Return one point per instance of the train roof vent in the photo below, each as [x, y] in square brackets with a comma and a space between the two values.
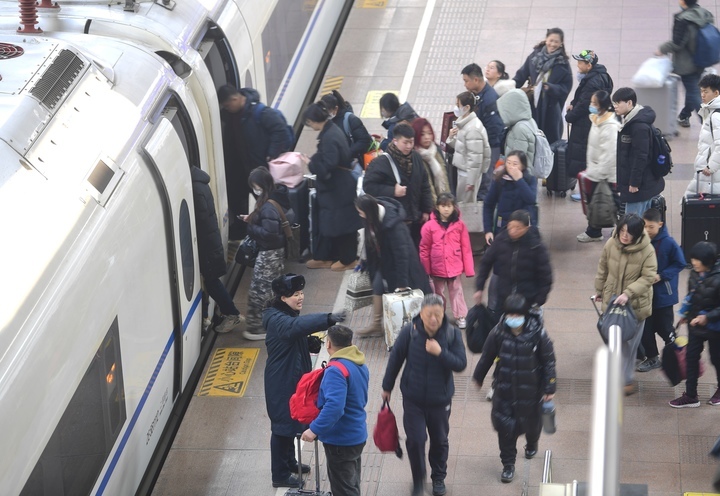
[58, 78]
[8, 51]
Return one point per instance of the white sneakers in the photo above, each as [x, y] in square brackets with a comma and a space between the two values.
[229, 323]
[584, 238]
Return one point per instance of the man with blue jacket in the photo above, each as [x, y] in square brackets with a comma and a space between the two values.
[341, 424]
[671, 262]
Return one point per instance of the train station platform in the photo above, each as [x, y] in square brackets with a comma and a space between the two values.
[417, 48]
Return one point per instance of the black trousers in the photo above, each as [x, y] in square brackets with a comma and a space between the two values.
[694, 350]
[508, 440]
[343, 467]
[419, 421]
[282, 457]
[337, 248]
[217, 291]
[660, 322]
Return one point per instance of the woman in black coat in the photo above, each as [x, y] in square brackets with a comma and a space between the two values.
[288, 359]
[547, 70]
[211, 254]
[341, 113]
[525, 376]
[391, 254]
[336, 188]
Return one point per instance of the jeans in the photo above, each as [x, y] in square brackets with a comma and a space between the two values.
[629, 351]
[217, 291]
[455, 290]
[343, 467]
[692, 94]
[692, 359]
[660, 322]
[419, 421]
[508, 440]
[282, 457]
[638, 207]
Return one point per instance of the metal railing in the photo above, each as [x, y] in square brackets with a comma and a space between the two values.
[547, 468]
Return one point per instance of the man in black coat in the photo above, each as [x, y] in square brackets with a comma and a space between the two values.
[253, 134]
[636, 181]
[520, 264]
[594, 77]
[211, 254]
[404, 179]
[431, 349]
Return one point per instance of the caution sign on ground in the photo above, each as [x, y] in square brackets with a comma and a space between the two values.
[371, 108]
[229, 372]
[701, 494]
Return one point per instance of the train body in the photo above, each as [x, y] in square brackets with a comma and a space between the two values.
[101, 116]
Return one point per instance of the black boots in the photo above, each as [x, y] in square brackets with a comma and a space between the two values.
[508, 473]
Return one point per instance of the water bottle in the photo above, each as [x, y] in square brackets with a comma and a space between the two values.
[661, 159]
[548, 417]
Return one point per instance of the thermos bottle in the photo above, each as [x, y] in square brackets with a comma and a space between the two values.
[548, 417]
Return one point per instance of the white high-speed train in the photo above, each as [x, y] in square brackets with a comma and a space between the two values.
[101, 115]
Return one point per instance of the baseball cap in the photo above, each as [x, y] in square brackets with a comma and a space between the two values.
[586, 56]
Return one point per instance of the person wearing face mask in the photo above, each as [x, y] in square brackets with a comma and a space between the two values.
[524, 378]
[593, 77]
[627, 269]
[264, 225]
[394, 113]
[288, 358]
[400, 174]
[472, 148]
[546, 78]
[601, 152]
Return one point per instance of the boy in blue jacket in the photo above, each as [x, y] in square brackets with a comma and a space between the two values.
[665, 290]
[341, 424]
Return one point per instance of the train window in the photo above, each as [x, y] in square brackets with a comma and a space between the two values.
[186, 250]
[88, 429]
[248, 79]
[177, 114]
[281, 38]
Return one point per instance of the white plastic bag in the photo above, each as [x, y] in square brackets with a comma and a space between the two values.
[652, 73]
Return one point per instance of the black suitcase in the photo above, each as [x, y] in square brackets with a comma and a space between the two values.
[558, 180]
[700, 220]
[308, 492]
[658, 203]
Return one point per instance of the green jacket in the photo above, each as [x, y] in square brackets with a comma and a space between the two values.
[684, 34]
[514, 108]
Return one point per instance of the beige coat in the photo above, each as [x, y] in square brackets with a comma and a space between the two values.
[602, 148]
[628, 269]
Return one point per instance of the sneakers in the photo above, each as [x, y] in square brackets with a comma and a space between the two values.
[229, 323]
[253, 336]
[291, 481]
[715, 400]
[341, 267]
[649, 364]
[584, 238]
[318, 264]
[576, 197]
[489, 395]
[683, 121]
[438, 488]
[508, 473]
[685, 401]
[462, 323]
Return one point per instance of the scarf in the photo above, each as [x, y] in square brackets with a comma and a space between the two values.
[543, 61]
[404, 162]
[439, 183]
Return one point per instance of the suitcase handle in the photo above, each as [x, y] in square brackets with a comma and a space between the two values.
[697, 184]
[594, 302]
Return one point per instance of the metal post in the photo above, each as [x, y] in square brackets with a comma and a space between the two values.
[607, 418]
[547, 468]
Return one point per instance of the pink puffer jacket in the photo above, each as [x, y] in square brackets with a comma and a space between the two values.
[446, 252]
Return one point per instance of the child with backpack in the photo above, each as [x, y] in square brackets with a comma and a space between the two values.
[445, 253]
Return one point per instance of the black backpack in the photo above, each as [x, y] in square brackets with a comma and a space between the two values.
[480, 321]
[661, 160]
[260, 107]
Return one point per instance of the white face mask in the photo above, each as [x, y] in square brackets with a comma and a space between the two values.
[332, 115]
[459, 112]
[257, 192]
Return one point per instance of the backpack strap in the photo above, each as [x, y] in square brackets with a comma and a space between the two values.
[394, 167]
[339, 365]
[346, 125]
[284, 224]
[258, 107]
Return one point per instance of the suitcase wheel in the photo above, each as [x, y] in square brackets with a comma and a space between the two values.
[562, 194]
[549, 193]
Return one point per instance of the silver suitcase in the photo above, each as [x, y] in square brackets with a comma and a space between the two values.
[664, 101]
[399, 308]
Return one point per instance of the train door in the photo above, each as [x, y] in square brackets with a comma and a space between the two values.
[171, 149]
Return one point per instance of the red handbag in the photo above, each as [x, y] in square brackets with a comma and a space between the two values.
[386, 435]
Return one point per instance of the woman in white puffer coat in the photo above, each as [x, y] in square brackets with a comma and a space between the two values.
[707, 161]
[601, 151]
[472, 149]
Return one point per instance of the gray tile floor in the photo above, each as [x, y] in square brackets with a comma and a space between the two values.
[223, 446]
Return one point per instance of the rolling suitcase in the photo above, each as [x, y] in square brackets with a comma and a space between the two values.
[664, 101]
[700, 220]
[308, 492]
[586, 188]
[558, 180]
[399, 308]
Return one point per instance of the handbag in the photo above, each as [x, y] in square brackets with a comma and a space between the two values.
[288, 168]
[373, 150]
[385, 434]
[292, 234]
[674, 361]
[247, 252]
[622, 316]
[472, 216]
[480, 321]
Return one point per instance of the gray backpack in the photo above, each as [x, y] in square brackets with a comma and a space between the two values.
[602, 211]
[544, 157]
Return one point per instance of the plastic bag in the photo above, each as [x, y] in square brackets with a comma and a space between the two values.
[652, 73]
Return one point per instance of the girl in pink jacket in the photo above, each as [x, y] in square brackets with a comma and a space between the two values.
[445, 253]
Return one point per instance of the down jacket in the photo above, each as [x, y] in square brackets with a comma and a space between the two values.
[524, 373]
[427, 380]
[671, 262]
[359, 139]
[522, 266]
[708, 154]
[684, 36]
[505, 196]
[472, 148]
[602, 148]
[634, 156]
[265, 227]
[404, 113]
[514, 108]
[445, 251]
[211, 254]
[628, 269]
[705, 298]
[288, 359]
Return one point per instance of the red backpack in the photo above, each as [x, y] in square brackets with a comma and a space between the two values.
[303, 404]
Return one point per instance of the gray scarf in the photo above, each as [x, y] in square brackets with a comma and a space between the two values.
[543, 61]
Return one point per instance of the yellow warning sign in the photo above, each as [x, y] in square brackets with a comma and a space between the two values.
[701, 494]
[371, 108]
[373, 4]
[229, 372]
[331, 83]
